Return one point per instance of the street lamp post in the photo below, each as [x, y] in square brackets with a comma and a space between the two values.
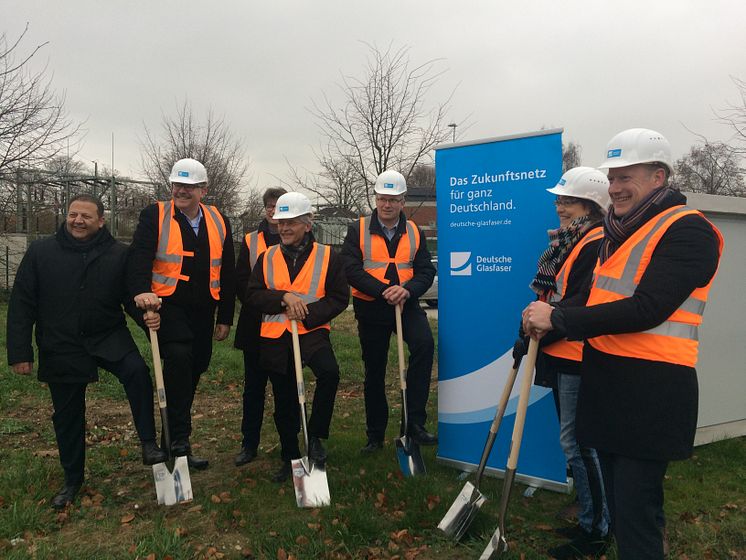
[453, 126]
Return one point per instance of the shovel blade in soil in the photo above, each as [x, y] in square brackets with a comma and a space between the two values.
[311, 484]
[173, 487]
[460, 515]
[410, 458]
[495, 547]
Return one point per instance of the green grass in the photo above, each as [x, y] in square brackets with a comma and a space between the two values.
[240, 513]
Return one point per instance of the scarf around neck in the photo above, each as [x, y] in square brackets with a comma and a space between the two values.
[561, 242]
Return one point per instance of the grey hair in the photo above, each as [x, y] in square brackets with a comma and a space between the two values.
[306, 219]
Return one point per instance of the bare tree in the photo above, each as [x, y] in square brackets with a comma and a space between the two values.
[33, 123]
[252, 210]
[209, 141]
[423, 175]
[383, 121]
[734, 115]
[712, 169]
[571, 155]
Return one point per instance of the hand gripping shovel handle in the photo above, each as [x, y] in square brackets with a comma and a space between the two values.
[498, 543]
[160, 388]
[497, 420]
[402, 375]
[300, 383]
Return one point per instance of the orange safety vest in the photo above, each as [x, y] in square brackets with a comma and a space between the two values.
[675, 340]
[257, 245]
[376, 258]
[170, 254]
[570, 349]
[309, 285]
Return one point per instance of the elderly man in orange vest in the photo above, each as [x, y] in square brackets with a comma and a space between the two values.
[304, 281]
[638, 397]
[388, 264]
[182, 254]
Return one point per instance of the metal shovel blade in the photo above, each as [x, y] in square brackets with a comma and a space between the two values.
[311, 485]
[458, 518]
[409, 456]
[173, 487]
[496, 546]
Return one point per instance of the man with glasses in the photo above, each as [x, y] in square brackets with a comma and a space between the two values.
[388, 264]
[247, 329]
[182, 255]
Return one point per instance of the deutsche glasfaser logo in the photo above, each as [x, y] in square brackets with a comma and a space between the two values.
[460, 265]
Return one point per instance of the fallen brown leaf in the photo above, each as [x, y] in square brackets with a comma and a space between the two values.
[127, 518]
[301, 540]
[195, 509]
[215, 499]
[281, 554]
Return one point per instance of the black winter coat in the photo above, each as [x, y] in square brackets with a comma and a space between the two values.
[379, 310]
[73, 293]
[249, 318]
[634, 407]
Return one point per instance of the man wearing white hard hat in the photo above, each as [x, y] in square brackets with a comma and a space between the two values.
[638, 396]
[182, 254]
[300, 280]
[388, 264]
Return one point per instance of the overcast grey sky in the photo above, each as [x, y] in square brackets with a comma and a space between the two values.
[592, 67]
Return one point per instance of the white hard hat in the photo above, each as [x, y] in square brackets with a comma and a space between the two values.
[188, 171]
[390, 182]
[586, 183]
[638, 145]
[292, 205]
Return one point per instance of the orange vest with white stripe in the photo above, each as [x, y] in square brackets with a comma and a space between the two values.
[309, 285]
[570, 349]
[257, 245]
[674, 341]
[170, 253]
[376, 259]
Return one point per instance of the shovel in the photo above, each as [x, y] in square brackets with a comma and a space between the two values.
[171, 487]
[407, 450]
[309, 480]
[498, 543]
[460, 515]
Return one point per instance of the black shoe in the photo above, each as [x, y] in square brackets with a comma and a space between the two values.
[246, 456]
[197, 462]
[316, 452]
[372, 446]
[152, 454]
[422, 436]
[283, 473]
[65, 496]
[572, 532]
[180, 449]
[588, 544]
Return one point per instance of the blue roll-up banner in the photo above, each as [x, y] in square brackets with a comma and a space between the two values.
[493, 217]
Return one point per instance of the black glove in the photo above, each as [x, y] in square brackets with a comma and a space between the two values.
[520, 348]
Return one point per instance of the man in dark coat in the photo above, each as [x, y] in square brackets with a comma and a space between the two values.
[71, 287]
[378, 285]
[247, 329]
[182, 254]
[298, 286]
[638, 397]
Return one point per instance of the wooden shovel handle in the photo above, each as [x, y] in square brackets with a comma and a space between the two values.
[298, 363]
[520, 415]
[160, 386]
[400, 348]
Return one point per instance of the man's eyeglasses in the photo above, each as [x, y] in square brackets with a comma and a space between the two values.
[387, 200]
[566, 201]
[186, 187]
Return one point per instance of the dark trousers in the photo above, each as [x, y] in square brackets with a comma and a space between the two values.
[183, 364]
[634, 493]
[254, 390]
[374, 340]
[68, 400]
[324, 366]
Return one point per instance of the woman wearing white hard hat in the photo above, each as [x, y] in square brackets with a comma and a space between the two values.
[564, 272]
[303, 280]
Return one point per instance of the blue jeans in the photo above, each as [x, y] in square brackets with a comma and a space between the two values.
[594, 513]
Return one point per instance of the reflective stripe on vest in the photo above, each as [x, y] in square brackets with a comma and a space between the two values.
[675, 340]
[376, 259]
[257, 245]
[170, 253]
[570, 349]
[309, 285]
